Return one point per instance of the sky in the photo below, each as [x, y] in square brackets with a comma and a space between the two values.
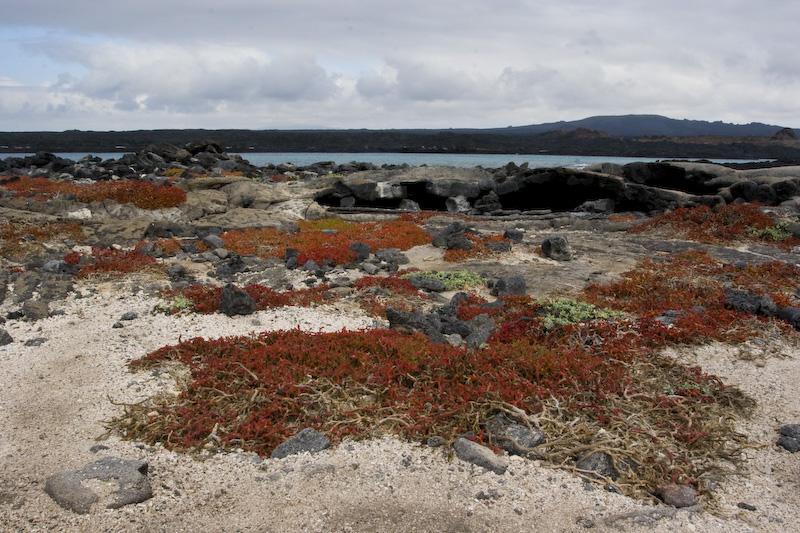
[376, 64]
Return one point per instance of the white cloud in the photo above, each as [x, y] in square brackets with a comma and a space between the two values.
[316, 63]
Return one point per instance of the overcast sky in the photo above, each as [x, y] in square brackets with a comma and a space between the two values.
[264, 64]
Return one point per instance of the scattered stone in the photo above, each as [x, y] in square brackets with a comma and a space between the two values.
[36, 309]
[436, 441]
[791, 315]
[361, 250]
[117, 325]
[129, 315]
[234, 301]
[557, 247]
[5, 337]
[308, 440]
[479, 337]
[452, 237]
[479, 455]
[597, 465]
[511, 285]
[790, 437]
[743, 301]
[514, 235]
[677, 495]
[410, 321]
[392, 255]
[59, 266]
[746, 506]
[516, 439]
[176, 272]
[38, 341]
[67, 490]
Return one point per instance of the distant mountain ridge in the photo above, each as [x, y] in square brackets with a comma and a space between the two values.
[645, 126]
[619, 136]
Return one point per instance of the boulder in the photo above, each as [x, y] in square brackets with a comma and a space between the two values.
[516, 439]
[308, 440]
[677, 495]
[67, 488]
[557, 247]
[453, 237]
[790, 438]
[415, 321]
[234, 301]
[510, 285]
[36, 309]
[479, 455]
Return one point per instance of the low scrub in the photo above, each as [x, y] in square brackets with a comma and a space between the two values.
[142, 194]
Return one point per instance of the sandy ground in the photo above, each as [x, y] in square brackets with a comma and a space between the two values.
[55, 396]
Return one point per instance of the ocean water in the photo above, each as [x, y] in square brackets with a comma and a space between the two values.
[260, 159]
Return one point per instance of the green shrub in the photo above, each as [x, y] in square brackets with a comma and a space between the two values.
[453, 279]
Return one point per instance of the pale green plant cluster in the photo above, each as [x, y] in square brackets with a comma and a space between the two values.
[453, 280]
[778, 232]
[180, 303]
[565, 311]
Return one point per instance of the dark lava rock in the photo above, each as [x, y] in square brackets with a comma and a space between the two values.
[308, 440]
[213, 241]
[557, 247]
[290, 258]
[791, 315]
[361, 250]
[67, 490]
[514, 235]
[474, 453]
[498, 247]
[392, 255]
[599, 463]
[516, 439]
[415, 321]
[452, 237]
[790, 437]
[478, 337]
[129, 315]
[489, 203]
[176, 272]
[36, 309]
[511, 285]
[5, 337]
[235, 301]
[233, 265]
[743, 301]
[677, 495]
[59, 266]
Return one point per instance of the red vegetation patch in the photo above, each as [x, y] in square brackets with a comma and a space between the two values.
[144, 195]
[720, 225]
[691, 284]
[400, 294]
[109, 261]
[326, 240]
[479, 250]
[169, 247]
[15, 244]
[593, 384]
[205, 299]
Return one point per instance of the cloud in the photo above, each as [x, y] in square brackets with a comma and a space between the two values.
[306, 63]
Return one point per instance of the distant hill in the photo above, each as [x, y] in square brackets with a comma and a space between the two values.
[621, 136]
[646, 126]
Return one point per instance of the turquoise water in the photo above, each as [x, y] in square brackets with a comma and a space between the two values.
[260, 159]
